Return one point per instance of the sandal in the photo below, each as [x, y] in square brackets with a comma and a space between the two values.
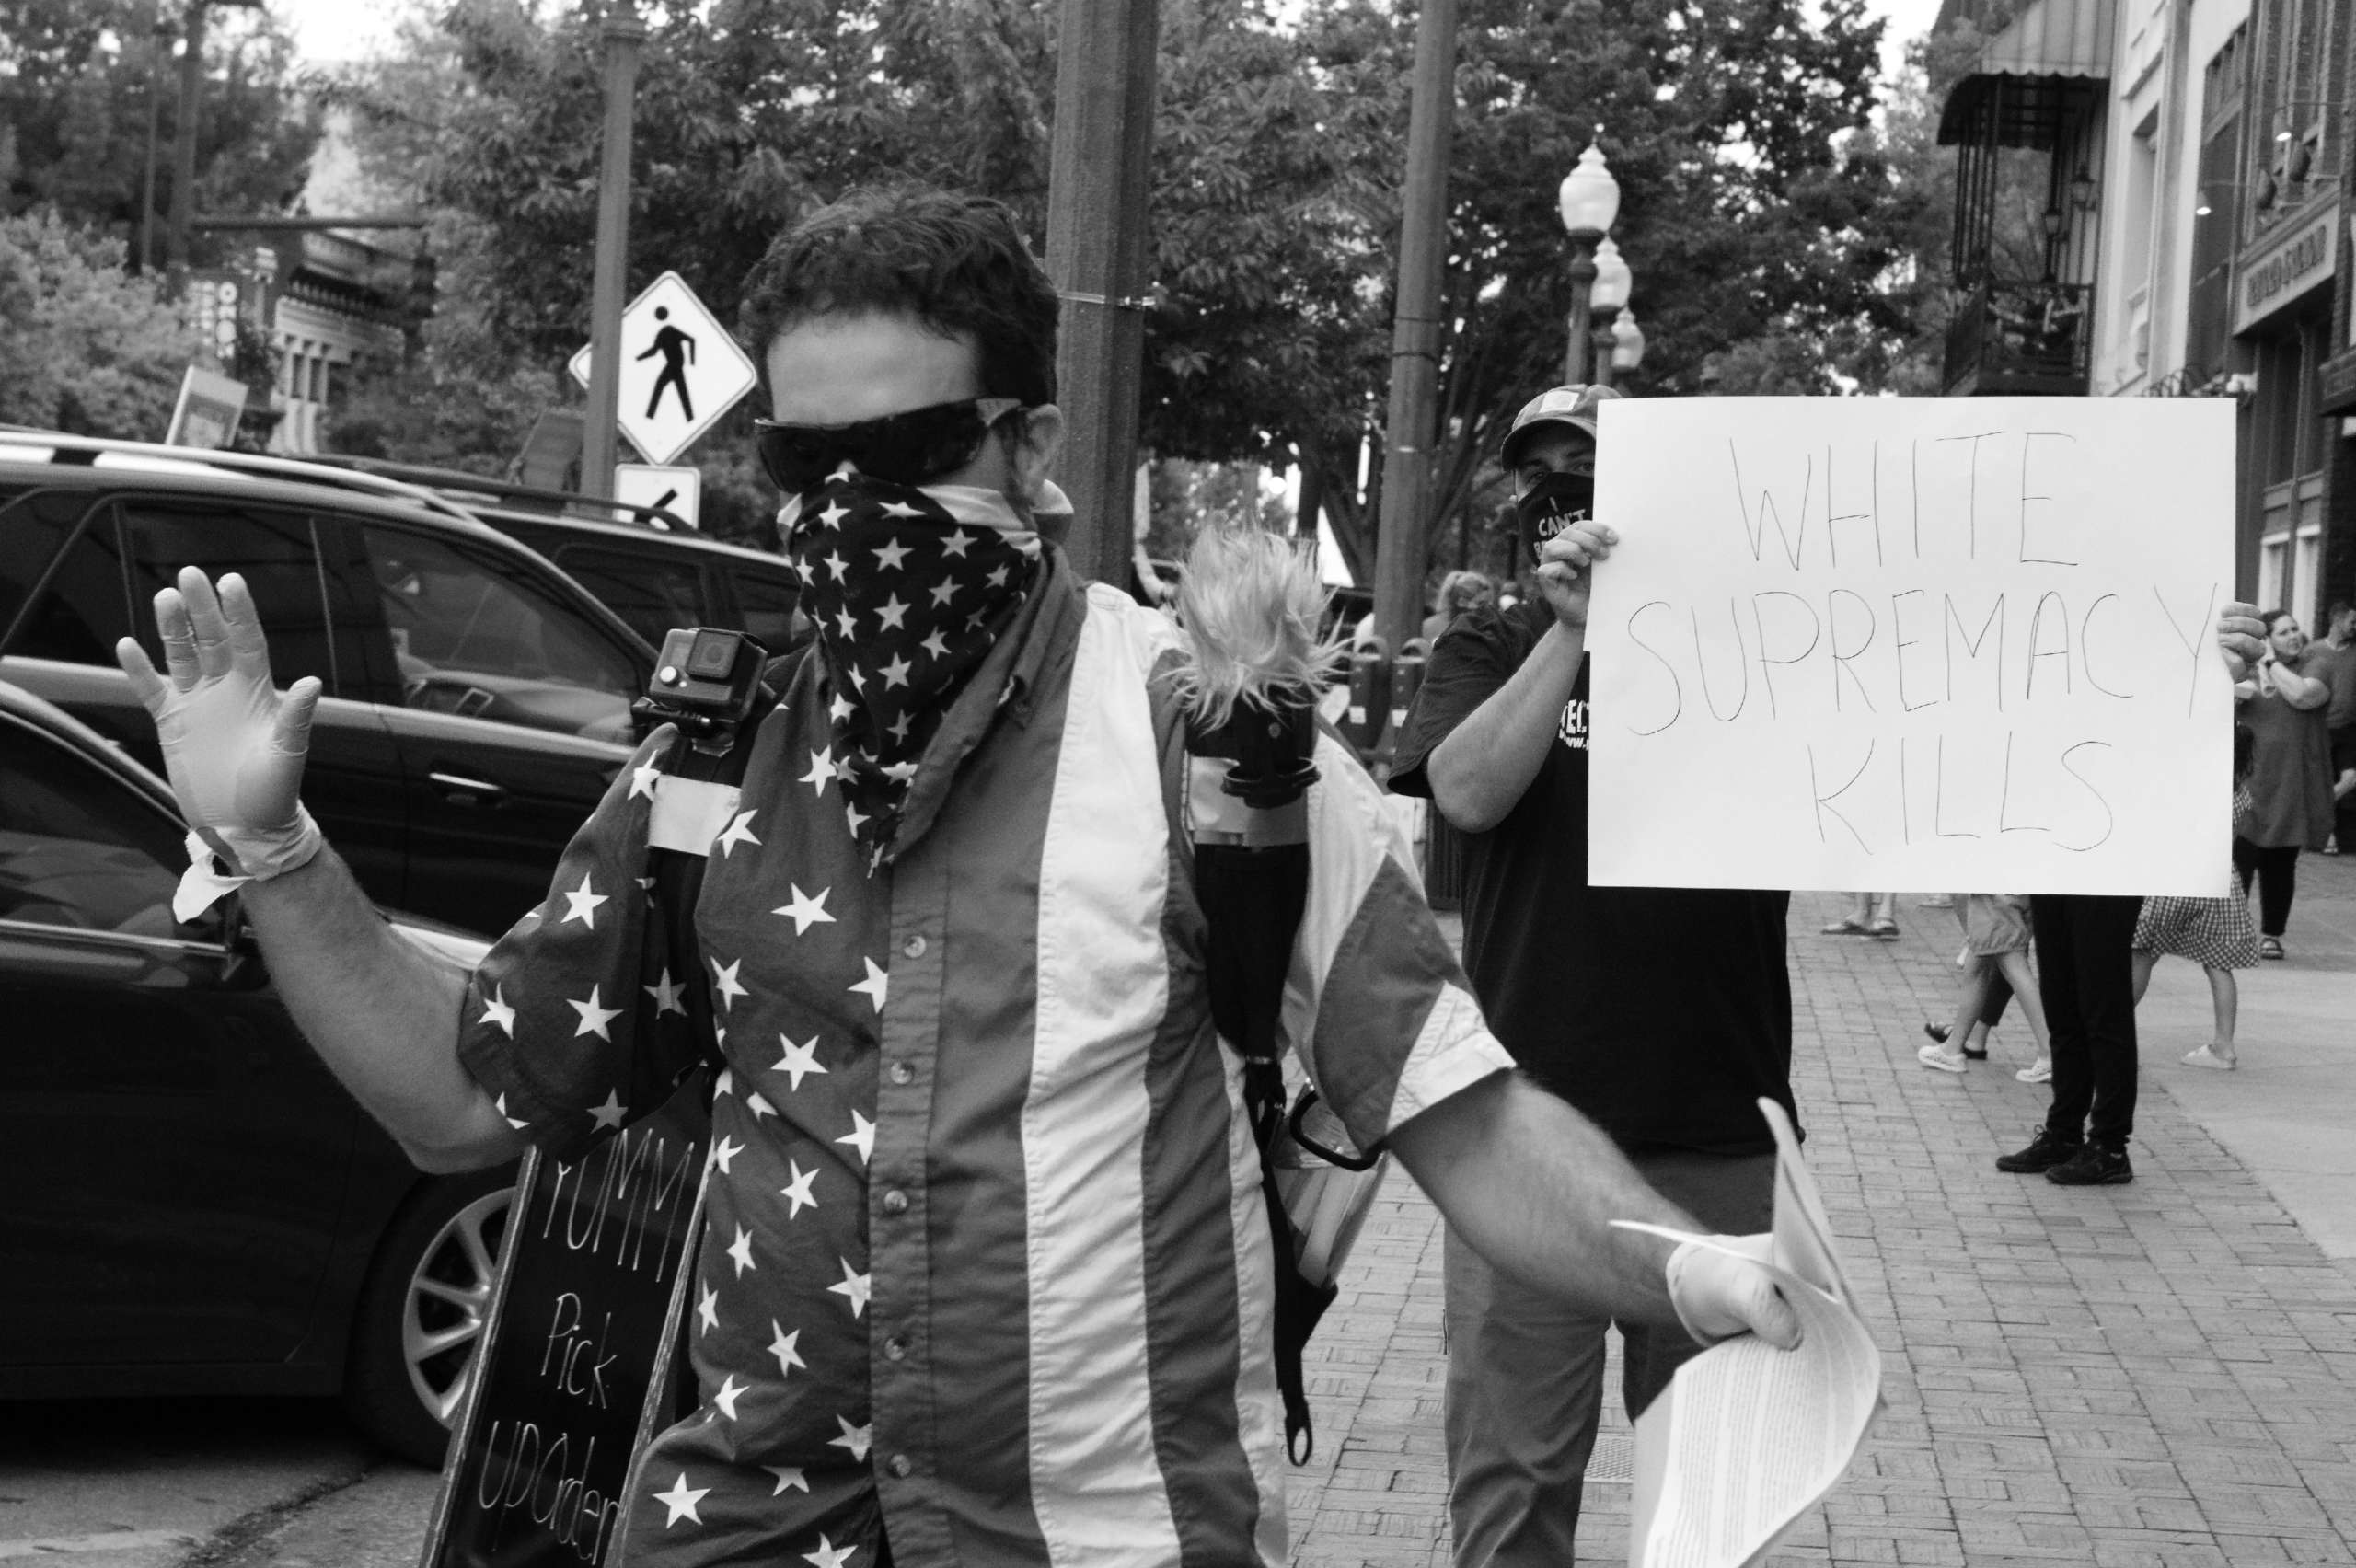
[1847, 925]
[2205, 1057]
[2270, 947]
[1883, 931]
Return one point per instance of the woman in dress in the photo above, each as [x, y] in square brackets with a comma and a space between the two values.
[2215, 933]
[2290, 783]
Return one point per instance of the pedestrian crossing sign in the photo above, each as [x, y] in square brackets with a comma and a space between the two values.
[680, 370]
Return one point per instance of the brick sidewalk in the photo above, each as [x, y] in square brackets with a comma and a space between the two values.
[2156, 1375]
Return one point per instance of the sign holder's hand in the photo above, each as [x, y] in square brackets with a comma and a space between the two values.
[1566, 569]
[1720, 1290]
[2241, 637]
[233, 744]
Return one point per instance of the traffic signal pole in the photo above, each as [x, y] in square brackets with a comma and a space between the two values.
[623, 33]
[1416, 334]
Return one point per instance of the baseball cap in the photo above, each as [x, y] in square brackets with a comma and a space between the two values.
[1572, 405]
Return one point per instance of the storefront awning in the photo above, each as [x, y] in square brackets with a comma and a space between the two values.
[2031, 74]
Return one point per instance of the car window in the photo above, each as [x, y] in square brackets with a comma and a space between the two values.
[473, 642]
[81, 612]
[33, 524]
[275, 551]
[767, 605]
[651, 594]
[77, 848]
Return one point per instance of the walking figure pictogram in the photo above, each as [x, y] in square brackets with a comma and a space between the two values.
[678, 351]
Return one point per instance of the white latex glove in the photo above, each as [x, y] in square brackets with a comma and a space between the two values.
[1720, 1294]
[233, 745]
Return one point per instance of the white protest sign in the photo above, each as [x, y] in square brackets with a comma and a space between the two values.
[1913, 645]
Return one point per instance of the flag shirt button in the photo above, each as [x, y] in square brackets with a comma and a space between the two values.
[913, 947]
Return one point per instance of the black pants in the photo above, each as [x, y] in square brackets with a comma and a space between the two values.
[2277, 873]
[2086, 981]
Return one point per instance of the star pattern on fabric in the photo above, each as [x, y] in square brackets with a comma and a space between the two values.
[853, 1287]
[682, 1500]
[907, 602]
[861, 1138]
[855, 1438]
[594, 1017]
[781, 1346]
[666, 995]
[496, 1012]
[725, 1397]
[641, 781]
[609, 1115]
[723, 1152]
[787, 1476]
[724, 980]
[876, 986]
[739, 832]
[741, 1251]
[829, 1555]
[797, 1192]
[758, 1106]
[582, 904]
[515, 1122]
[706, 1307]
[807, 909]
[822, 770]
[798, 1060]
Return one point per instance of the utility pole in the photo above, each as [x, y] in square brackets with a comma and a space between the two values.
[191, 107]
[1416, 334]
[1097, 188]
[623, 33]
[156, 35]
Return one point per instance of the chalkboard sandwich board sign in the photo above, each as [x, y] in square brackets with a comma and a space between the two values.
[578, 1367]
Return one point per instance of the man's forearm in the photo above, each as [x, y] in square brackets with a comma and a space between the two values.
[1483, 768]
[381, 1013]
[1533, 1186]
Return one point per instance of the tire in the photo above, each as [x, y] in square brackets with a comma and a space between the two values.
[422, 1310]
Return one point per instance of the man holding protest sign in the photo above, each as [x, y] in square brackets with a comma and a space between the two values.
[986, 1278]
[1663, 1014]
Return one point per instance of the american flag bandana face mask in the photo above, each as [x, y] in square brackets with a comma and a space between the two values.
[907, 589]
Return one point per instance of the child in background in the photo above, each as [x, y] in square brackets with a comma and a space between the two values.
[2215, 933]
[1996, 940]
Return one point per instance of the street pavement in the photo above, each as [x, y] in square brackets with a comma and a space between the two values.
[2154, 1376]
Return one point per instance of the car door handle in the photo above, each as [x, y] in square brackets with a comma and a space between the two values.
[452, 784]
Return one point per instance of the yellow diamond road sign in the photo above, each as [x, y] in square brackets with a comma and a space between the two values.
[681, 370]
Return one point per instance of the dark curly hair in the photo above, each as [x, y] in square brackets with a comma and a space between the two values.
[957, 263]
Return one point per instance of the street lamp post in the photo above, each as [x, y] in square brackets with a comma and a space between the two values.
[1590, 200]
[1607, 297]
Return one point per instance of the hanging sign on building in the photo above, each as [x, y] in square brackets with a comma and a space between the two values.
[681, 370]
[208, 410]
[2283, 270]
[1912, 644]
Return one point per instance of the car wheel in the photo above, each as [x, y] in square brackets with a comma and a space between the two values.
[423, 1313]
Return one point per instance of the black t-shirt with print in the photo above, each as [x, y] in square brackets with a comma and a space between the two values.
[1665, 1014]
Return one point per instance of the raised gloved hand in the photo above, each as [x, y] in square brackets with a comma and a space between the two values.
[233, 744]
[1719, 1294]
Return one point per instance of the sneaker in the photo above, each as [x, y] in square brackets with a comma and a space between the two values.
[2093, 1166]
[2206, 1058]
[1939, 1056]
[2270, 947]
[2038, 1071]
[2046, 1150]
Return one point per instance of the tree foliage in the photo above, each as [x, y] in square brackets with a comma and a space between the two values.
[77, 79]
[84, 346]
[1754, 207]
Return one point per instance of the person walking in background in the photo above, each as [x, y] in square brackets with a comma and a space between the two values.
[1995, 940]
[2285, 705]
[1460, 593]
[1870, 914]
[2339, 721]
[2215, 933]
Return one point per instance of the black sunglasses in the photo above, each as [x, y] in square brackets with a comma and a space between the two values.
[913, 447]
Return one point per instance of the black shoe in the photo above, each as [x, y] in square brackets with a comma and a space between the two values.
[2048, 1150]
[2093, 1166]
[1939, 1032]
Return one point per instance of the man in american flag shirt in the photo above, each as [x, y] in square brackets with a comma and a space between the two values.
[987, 1275]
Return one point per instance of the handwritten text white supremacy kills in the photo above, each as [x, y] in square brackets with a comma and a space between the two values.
[1968, 579]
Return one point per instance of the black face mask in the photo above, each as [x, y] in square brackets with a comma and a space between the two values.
[1551, 505]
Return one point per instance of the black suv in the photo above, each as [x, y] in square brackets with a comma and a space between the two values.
[648, 565]
[478, 698]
